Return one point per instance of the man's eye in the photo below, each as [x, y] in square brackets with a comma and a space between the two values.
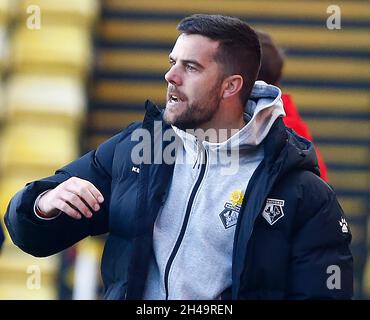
[190, 68]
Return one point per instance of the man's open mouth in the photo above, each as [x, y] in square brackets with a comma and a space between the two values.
[174, 98]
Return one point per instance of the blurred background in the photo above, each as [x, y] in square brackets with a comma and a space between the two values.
[75, 72]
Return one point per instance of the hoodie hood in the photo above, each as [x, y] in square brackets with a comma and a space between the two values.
[261, 110]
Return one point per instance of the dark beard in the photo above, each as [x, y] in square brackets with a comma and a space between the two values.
[192, 117]
[195, 116]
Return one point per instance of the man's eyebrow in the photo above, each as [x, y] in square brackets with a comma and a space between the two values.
[189, 61]
[194, 62]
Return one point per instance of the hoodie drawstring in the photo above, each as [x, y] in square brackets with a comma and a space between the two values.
[198, 154]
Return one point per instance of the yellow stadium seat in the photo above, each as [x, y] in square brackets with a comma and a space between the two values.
[62, 48]
[39, 145]
[5, 10]
[25, 277]
[48, 96]
[15, 179]
[82, 12]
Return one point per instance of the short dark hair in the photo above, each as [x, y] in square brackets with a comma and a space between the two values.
[272, 61]
[239, 50]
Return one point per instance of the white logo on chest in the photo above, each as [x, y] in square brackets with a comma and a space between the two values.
[229, 216]
[273, 210]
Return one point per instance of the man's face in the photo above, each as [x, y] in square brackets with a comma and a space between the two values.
[194, 82]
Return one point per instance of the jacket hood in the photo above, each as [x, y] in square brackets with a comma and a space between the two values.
[301, 153]
[285, 150]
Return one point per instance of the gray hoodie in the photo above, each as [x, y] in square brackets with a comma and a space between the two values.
[194, 232]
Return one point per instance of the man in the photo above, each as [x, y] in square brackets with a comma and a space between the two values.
[260, 226]
[272, 62]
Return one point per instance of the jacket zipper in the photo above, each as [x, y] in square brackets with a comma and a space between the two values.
[185, 222]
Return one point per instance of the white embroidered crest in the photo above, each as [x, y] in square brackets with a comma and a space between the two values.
[229, 216]
[273, 210]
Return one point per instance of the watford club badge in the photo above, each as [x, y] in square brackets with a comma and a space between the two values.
[229, 216]
[273, 210]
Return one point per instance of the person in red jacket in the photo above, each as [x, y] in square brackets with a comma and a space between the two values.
[272, 62]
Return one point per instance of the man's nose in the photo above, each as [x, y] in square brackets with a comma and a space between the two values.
[172, 76]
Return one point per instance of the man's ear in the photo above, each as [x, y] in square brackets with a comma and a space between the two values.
[232, 86]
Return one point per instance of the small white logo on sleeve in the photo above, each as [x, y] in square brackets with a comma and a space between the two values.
[273, 210]
[135, 169]
[343, 223]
